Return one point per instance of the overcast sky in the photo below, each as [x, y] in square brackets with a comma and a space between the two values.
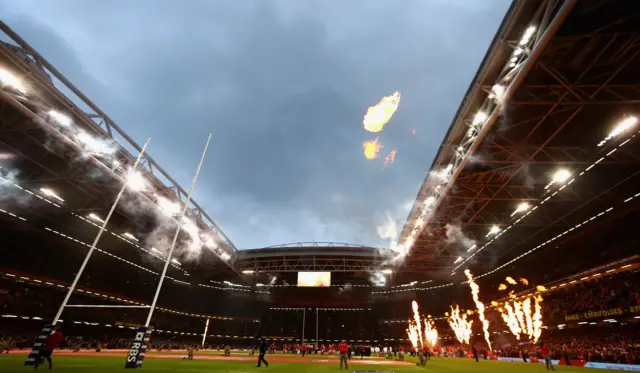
[283, 86]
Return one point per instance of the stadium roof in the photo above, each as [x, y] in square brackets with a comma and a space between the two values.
[58, 146]
[546, 97]
[543, 145]
[312, 256]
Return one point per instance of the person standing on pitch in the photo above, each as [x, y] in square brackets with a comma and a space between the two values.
[546, 354]
[263, 350]
[344, 349]
[52, 342]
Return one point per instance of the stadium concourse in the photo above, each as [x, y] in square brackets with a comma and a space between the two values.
[537, 180]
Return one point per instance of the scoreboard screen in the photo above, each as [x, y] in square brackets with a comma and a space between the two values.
[314, 279]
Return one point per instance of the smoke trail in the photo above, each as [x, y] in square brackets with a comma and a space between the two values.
[455, 235]
[377, 278]
[91, 145]
[8, 192]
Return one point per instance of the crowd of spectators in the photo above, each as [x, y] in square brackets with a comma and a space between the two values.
[608, 292]
[600, 342]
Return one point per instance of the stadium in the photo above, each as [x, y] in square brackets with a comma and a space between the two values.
[521, 238]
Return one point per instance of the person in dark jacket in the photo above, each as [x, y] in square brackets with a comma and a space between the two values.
[263, 350]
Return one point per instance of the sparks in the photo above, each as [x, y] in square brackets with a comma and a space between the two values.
[371, 148]
[377, 116]
[389, 159]
[475, 291]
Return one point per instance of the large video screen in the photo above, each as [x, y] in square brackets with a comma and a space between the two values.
[314, 279]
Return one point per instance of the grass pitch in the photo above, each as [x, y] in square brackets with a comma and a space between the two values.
[85, 364]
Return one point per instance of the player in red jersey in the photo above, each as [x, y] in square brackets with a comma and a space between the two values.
[344, 349]
[52, 342]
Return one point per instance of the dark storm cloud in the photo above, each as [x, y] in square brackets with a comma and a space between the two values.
[283, 86]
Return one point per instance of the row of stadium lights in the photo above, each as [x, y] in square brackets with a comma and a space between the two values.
[381, 292]
[492, 103]
[87, 323]
[85, 141]
[551, 288]
[551, 240]
[234, 287]
[318, 309]
[561, 176]
[279, 338]
[560, 286]
[114, 298]
[127, 237]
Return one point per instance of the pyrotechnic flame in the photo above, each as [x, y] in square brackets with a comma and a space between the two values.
[522, 318]
[371, 148]
[430, 332]
[537, 319]
[389, 159]
[502, 287]
[460, 325]
[416, 317]
[415, 329]
[377, 116]
[412, 332]
[511, 281]
[475, 291]
[541, 288]
[524, 281]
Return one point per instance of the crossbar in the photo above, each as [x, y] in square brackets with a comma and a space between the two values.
[104, 306]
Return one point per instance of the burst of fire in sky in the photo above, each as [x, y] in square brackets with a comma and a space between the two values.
[389, 159]
[502, 287]
[511, 281]
[524, 318]
[377, 116]
[524, 281]
[475, 291]
[430, 332]
[371, 148]
[460, 325]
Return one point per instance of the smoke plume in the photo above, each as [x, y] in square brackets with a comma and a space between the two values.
[455, 235]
